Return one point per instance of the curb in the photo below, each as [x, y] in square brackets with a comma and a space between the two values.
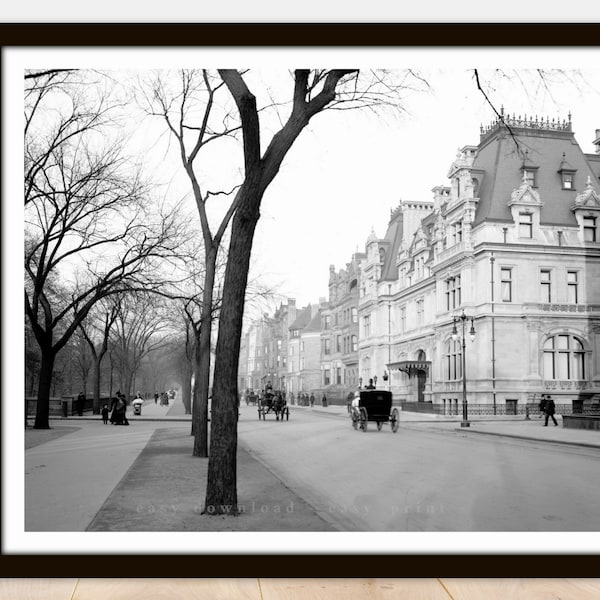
[130, 419]
[531, 439]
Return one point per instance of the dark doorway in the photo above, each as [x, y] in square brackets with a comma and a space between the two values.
[421, 379]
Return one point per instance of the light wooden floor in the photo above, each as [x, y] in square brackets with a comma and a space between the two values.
[299, 589]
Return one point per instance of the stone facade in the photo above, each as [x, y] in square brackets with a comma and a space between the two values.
[513, 242]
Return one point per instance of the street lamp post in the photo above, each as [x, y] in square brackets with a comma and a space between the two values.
[463, 318]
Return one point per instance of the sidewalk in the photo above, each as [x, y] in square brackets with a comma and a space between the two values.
[164, 490]
[175, 412]
[507, 426]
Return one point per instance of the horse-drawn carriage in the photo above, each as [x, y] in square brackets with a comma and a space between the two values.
[251, 398]
[273, 402]
[374, 406]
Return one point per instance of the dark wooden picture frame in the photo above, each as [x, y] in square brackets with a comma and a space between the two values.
[288, 35]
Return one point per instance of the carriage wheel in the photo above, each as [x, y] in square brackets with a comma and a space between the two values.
[379, 425]
[363, 419]
[395, 419]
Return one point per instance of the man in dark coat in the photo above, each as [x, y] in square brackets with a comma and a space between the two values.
[549, 410]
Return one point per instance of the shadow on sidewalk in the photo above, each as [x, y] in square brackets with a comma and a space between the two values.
[164, 490]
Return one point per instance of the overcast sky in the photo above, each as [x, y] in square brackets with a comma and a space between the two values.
[348, 169]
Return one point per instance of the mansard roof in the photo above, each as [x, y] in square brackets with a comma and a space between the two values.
[503, 154]
[314, 324]
[303, 318]
[393, 239]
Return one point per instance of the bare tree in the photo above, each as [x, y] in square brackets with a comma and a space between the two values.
[195, 118]
[141, 328]
[88, 222]
[96, 331]
[313, 92]
[82, 358]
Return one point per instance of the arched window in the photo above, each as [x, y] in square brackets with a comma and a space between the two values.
[564, 357]
[453, 360]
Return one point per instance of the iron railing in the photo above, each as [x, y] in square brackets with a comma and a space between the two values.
[499, 409]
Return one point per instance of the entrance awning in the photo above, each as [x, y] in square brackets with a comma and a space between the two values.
[411, 367]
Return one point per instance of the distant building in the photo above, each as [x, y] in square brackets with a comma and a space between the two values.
[303, 374]
[513, 242]
[264, 350]
[339, 332]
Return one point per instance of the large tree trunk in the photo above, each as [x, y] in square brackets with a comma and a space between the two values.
[42, 413]
[221, 492]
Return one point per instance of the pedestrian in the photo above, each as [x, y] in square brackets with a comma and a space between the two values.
[105, 414]
[80, 403]
[542, 405]
[550, 410]
[312, 400]
[155, 397]
[324, 400]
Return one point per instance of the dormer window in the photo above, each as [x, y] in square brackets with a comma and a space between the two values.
[529, 171]
[568, 180]
[567, 174]
[525, 225]
[589, 229]
[529, 176]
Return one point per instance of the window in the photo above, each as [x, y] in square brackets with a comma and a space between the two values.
[506, 284]
[302, 363]
[326, 346]
[573, 287]
[354, 315]
[302, 346]
[457, 232]
[354, 344]
[529, 177]
[420, 304]
[564, 358]
[589, 229]
[338, 375]
[568, 180]
[338, 343]
[326, 376]
[453, 361]
[546, 285]
[453, 298]
[525, 225]
[367, 325]
[295, 333]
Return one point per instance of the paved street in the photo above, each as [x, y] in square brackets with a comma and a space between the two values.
[428, 476]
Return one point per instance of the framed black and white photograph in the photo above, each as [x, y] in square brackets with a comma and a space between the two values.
[276, 307]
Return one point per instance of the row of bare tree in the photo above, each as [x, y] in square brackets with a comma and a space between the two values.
[97, 231]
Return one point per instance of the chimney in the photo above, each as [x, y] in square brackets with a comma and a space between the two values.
[291, 310]
[596, 142]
